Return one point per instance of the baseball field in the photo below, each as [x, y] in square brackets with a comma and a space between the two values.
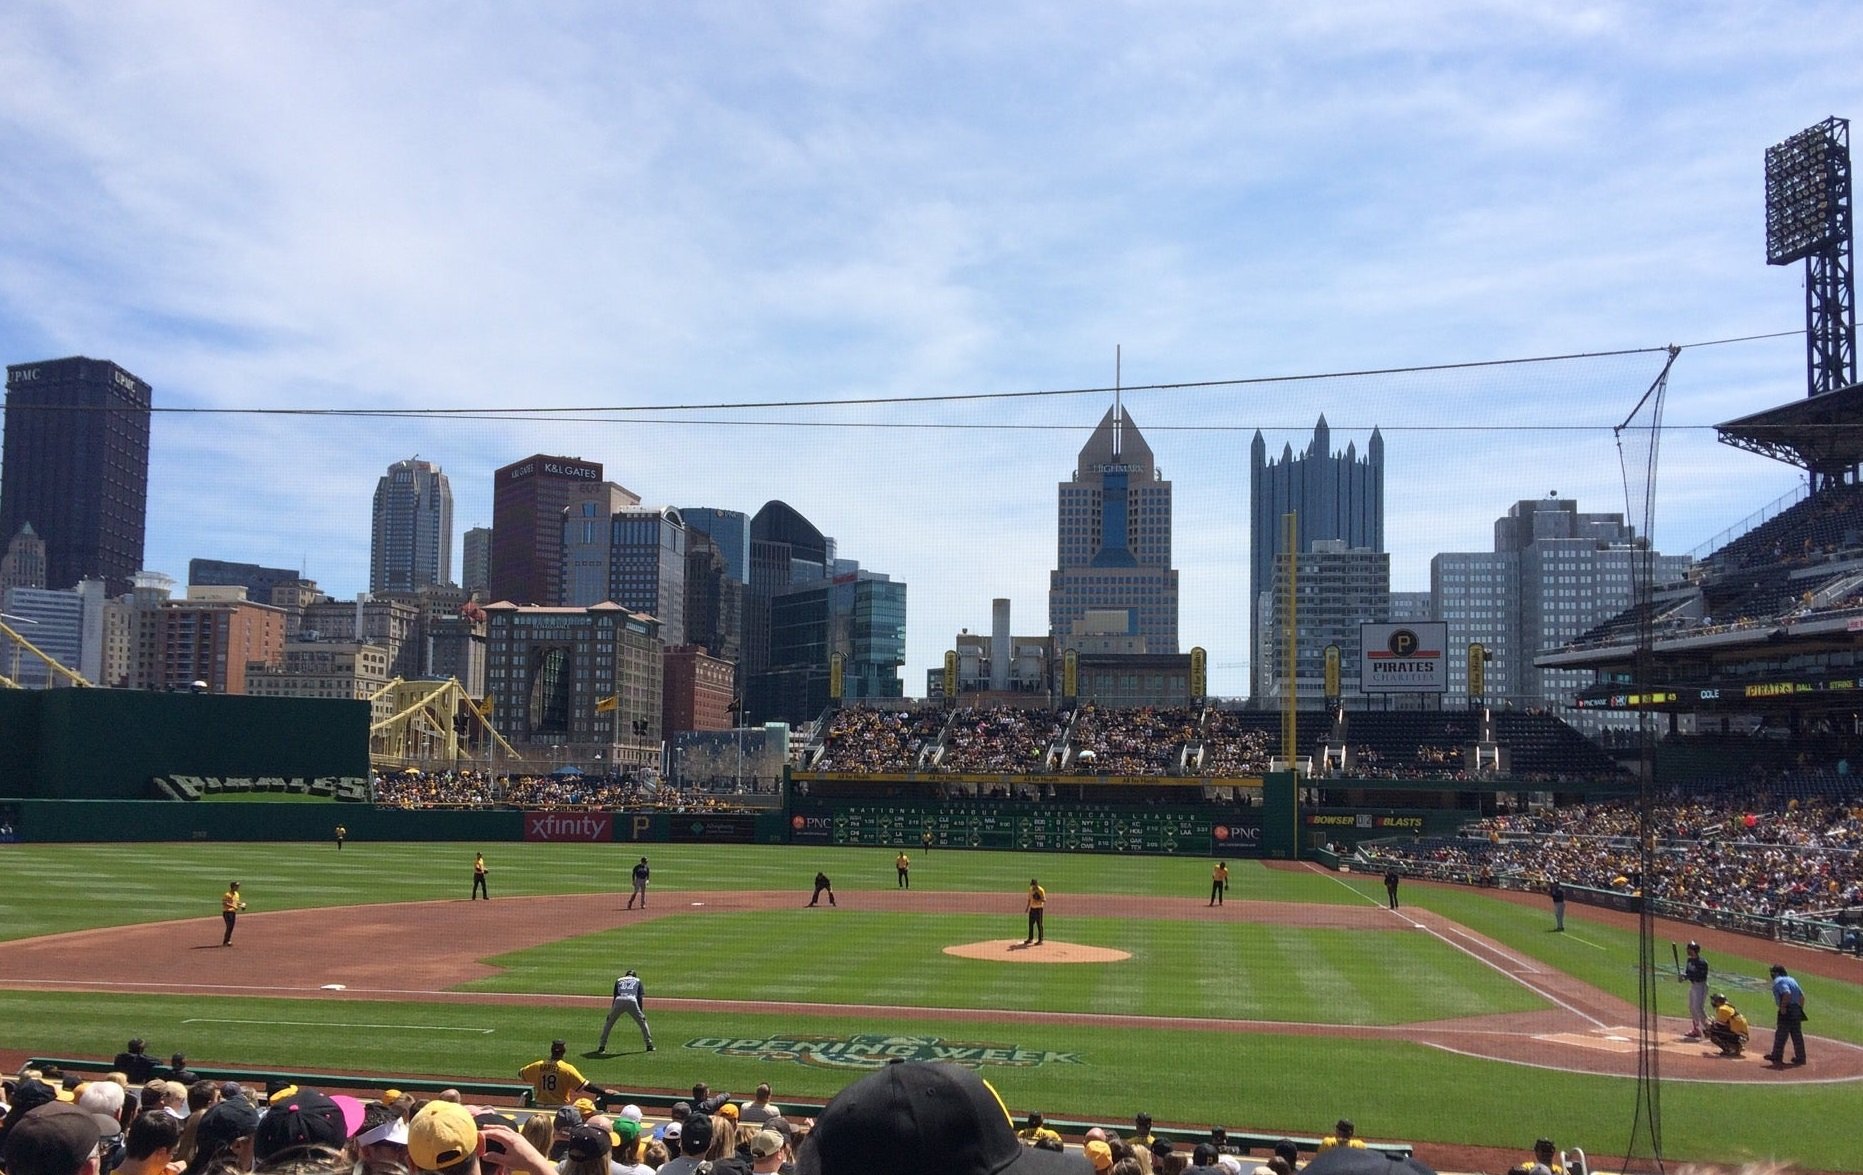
[1459, 1019]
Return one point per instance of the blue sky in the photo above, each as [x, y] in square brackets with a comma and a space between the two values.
[264, 205]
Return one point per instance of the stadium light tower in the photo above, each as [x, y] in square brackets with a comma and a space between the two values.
[1808, 218]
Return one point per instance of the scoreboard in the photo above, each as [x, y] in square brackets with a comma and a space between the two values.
[1035, 827]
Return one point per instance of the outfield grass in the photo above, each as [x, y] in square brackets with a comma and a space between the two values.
[150, 883]
[1237, 971]
[1271, 1081]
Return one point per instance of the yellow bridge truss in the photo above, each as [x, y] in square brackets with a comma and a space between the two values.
[52, 662]
[421, 731]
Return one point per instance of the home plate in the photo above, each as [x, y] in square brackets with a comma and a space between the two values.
[334, 987]
[1611, 1040]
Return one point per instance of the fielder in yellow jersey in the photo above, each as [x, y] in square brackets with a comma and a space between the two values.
[556, 1082]
[230, 906]
[1038, 901]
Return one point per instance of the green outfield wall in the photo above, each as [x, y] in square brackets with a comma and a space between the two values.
[174, 820]
[111, 744]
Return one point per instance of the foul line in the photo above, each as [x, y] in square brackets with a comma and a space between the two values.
[344, 1024]
[1444, 939]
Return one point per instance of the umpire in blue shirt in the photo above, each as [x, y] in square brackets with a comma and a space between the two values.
[1789, 998]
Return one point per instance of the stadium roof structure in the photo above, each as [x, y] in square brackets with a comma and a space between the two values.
[1821, 434]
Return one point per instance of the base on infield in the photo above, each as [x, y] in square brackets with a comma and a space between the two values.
[1012, 950]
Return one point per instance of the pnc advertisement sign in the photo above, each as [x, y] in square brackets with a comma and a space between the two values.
[1403, 658]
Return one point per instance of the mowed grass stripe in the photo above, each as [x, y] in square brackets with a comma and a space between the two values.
[1176, 969]
[45, 889]
[1256, 1081]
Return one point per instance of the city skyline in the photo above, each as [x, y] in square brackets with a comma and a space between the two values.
[706, 208]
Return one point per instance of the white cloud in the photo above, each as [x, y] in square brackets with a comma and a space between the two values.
[269, 205]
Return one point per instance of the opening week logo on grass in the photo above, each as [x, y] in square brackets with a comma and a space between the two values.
[870, 1051]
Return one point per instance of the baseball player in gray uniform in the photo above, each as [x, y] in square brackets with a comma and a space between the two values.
[641, 873]
[630, 994]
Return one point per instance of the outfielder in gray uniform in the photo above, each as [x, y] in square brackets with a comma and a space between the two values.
[630, 994]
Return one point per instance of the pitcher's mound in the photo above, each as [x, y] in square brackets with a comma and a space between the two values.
[1011, 950]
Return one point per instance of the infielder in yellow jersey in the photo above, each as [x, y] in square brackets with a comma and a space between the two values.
[902, 865]
[1038, 900]
[556, 1082]
[230, 906]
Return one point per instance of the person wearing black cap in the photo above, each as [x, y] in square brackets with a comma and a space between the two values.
[230, 906]
[1141, 1131]
[135, 1064]
[695, 1138]
[1344, 1135]
[925, 1118]
[1789, 999]
[223, 1139]
[822, 886]
[1556, 892]
[1035, 1130]
[56, 1138]
[1203, 1161]
[1037, 904]
[1695, 974]
[1288, 1151]
[1729, 1029]
[556, 1082]
[641, 875]
[297, 1125]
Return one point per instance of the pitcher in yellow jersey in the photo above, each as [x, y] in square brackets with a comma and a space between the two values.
[1038, 900]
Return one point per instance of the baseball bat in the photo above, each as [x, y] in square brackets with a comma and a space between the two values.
[1677, 956]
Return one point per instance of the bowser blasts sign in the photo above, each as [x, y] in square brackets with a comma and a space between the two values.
[1403, 658]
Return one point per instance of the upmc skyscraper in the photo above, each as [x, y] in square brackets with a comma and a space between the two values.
[77, 467]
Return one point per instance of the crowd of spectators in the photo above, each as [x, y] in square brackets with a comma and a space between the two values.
[1007, 742]
[540, 793]
[161, 1125]
[1232, 748]
[866, 739]
[1141, 740]
[1758, 855]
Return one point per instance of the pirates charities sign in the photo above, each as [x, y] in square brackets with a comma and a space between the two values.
[870, 1051]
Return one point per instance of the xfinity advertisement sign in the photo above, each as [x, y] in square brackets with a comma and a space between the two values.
[1404, 658]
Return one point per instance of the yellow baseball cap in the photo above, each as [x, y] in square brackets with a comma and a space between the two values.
[442, 1134]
